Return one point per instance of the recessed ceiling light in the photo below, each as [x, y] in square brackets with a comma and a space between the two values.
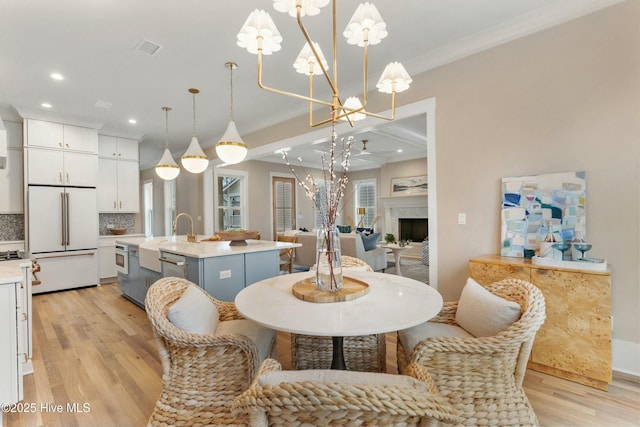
[57, 76]
[399, 150]
[133, 121]
[46, 105]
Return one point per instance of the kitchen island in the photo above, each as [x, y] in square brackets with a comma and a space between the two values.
[216, 266]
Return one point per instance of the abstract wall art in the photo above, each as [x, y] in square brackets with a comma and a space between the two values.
[533, 206]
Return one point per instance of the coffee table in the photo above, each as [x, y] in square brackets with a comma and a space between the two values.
[393, 303]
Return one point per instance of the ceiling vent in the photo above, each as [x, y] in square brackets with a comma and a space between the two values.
[148, 47]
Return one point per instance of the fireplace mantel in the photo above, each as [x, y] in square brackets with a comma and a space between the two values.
[396, 207]
[405, 201]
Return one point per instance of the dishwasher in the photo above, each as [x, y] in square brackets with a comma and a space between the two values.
[173, 265]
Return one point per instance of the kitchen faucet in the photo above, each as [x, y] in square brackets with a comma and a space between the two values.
[191, 237]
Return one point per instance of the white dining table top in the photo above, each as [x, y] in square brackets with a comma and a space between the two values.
[393, 303]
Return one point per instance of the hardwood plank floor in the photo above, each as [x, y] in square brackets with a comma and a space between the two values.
[94, 348]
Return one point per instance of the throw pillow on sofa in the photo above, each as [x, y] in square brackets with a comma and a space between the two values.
[370, 242]
[344, 228]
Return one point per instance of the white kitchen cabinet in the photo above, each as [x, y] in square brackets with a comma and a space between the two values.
[11, 329]
[61, 136]
[107, 257]
[111, 147]
[11, 176]
[59, 167]
[118, 186]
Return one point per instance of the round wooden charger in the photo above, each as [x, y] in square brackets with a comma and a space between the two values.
[351, 289]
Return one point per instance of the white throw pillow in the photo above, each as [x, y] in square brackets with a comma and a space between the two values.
[194, 312]
[482, 313]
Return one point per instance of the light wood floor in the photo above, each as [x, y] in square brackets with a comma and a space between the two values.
[94, 347]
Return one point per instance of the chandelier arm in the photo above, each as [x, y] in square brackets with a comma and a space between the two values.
[283, 92]
[334, 87]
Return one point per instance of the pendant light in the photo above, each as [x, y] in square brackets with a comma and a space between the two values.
[167, 168]
[231, 148]
[194, 160]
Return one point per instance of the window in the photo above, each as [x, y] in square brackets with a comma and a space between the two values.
[321, 200]
[148, 208]
[169, 206]
[284, 204]
[231, 201]
[365, 203]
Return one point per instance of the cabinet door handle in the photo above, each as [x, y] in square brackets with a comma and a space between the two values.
[114, 204]
[24, 316]
[60, 177]
[67, 215]
[67, 177]
[171, 262]
[67, 145]
[114, 154]
[62, 218]
[60, 144]
[120, 204]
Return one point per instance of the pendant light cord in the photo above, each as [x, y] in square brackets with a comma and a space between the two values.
[231, 66]
[194, 114]
[166, 111]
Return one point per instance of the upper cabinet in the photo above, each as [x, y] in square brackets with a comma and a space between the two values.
[61, 136]
[11, 175]
[110, 147]
[119, 175]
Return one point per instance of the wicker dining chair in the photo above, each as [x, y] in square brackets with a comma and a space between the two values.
[342, 398]
[366, 353]
[482, 376]
[287, 255]
[202, 373]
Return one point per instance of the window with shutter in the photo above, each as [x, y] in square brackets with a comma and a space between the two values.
[365, 198]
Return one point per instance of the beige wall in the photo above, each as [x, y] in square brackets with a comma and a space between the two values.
[563, 99]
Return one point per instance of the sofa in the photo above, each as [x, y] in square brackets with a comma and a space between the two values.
[350, 244]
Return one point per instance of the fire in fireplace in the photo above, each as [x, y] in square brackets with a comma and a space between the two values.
[414, 229]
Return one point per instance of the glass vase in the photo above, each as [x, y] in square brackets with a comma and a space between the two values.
[328, 262]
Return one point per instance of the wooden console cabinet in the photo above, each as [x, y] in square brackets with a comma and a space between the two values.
[575, 340]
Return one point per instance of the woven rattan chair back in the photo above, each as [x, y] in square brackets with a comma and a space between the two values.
[482, 377]
[202, 373]
[367, 403]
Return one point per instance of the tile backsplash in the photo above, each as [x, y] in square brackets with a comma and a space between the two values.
[11, 227]
[118, 220]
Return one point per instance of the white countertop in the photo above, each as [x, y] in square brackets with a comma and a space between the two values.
[204, 249]
[393, 303]
[10, 270]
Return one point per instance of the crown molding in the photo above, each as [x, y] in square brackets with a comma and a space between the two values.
[555, 13]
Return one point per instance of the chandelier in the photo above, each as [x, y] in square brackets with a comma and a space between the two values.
[260, 36]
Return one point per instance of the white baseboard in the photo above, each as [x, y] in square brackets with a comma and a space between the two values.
[626, 357]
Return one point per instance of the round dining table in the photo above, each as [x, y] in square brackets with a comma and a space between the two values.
[393, 303]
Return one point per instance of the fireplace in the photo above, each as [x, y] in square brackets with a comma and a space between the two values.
[414, 229]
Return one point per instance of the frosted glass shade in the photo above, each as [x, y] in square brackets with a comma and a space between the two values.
[231, 148]
[167, 168]
[194, 159]
[353, 103]
[306, 60]
[394, 73]
[309, 7]
[259, 24]
[366, 17]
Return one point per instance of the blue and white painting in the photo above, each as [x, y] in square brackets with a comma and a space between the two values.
[533, 206]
